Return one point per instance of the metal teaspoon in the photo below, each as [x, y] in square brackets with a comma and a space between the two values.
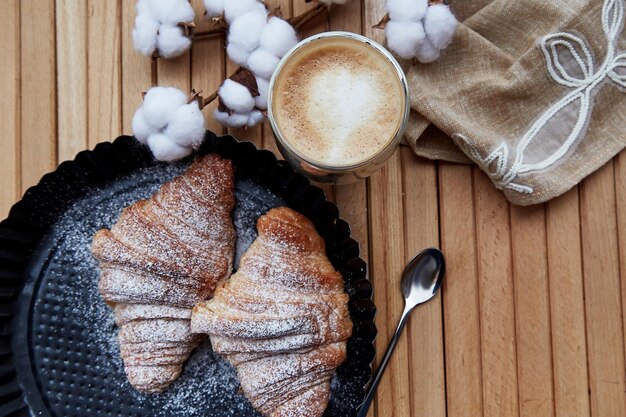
[421, 280]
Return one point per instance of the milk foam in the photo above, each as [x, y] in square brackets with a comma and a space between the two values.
[338, 103]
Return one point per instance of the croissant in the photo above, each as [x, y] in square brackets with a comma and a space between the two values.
[282, 319]
[161, 257]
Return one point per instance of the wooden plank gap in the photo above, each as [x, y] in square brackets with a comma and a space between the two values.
[442, 289]
[549, 296]
[515, 330]
[582, 265]
[407, 255]
[478, 290]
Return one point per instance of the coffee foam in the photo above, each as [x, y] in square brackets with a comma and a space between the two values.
[338, 102]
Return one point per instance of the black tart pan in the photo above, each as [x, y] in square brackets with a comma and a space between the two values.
[58, 349]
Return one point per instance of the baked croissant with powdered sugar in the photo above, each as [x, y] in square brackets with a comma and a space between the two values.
[161, 257]
[282, 319]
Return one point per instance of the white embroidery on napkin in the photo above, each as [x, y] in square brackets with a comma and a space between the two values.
[576, 72]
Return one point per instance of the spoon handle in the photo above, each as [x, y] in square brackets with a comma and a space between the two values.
[383, 364]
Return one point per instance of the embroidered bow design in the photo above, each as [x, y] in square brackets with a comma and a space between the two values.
[583, 79]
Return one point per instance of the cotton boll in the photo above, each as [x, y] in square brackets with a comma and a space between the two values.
[144, 7]
[235, 8]
[186, 125]
[278, 37]
[145, 33]
[171, 41]
[172, 12]
[254, 118]
[246, 30]
[404, 37]
[440, 25]
[141, 128]
[236, 97]
[233, 120]
[406, 10]
[214, 7]
[263, 86]
[262, 63]
[164, 149]
[159, 103]
[237, 54]
[427, 52]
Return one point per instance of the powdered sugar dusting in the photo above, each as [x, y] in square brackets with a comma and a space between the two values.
[74, 351]
[281, 318]
[76, 355]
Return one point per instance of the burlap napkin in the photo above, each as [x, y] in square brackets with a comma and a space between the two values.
[533, 91]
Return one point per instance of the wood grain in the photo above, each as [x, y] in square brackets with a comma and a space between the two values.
[37, 90]
[104, 21]
[605, 336]
[567, 307]
[387, 256]
[532, 312]
[175, 72]
[460, 292]
[425, 328]
[496, 294]
[10, 107]
[620, 202]
[387, 261]
[71, 47]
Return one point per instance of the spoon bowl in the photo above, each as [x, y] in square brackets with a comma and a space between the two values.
[422, 277]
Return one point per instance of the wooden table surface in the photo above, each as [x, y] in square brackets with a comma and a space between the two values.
[530, 320]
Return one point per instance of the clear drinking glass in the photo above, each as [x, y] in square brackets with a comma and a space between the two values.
[336, 173]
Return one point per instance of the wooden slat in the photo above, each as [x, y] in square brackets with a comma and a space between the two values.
[319, 24]
[620, 205]
[351, 200]
[136, 68]
[532, 313]
[387, 256]
[71, 44]
[347, 17]
[176, 72]
[38, 90]
[460, 292]
[207, 73]
[9, 106]
[567, 308]
[425, 329]
[497, 311]
[104, 66]
[605, 342]
[387, 253]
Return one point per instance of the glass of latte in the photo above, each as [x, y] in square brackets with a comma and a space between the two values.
[338, 106]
